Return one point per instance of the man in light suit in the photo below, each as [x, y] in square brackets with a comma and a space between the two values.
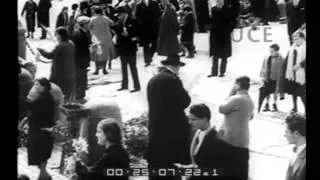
[296, 134]
[238, 111]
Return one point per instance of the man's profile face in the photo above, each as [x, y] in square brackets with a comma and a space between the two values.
[289, 135]
[195, 122]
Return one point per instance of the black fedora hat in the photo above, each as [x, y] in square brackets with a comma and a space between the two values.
[173, 60]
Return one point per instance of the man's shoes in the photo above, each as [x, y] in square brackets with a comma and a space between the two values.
[121, 89]
[105, 72]
[190, 56]
[96, 73]
[211, 75]
[274, 107]
[293, 110]
[221, 75]
[147, 64]
[43, 37]
[135, 90]
[266, 108]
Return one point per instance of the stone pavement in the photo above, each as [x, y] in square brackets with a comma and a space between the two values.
[267, 160]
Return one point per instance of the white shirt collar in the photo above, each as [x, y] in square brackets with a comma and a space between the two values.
[301, 148]
[167, 67]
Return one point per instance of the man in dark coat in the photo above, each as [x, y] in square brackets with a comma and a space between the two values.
[169, 140]
[296, 15]
[223, 22]
[82, 40]
[43, 16]
[31, 8]
[148, 16]
[168, 44]
[126, 34]
[63, 18]
[266, 10]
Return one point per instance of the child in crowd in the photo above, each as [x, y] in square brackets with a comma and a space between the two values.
[187, 31]
[271, 74]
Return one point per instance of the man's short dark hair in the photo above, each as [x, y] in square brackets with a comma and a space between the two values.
[112, 130]
[63, 32]
[23, 177]
[276, 47]
[97, 10]
[297, 122]
[74, 6]
[244, 82]
[200, 111]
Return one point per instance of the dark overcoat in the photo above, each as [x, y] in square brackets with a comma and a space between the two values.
[188, 29]
[40, 142]
[43, 13]
[31, 8]
[296, 16]
[82, 41]
[265, 9]
[222, 25]
[149, 21]
[202, 13]
[169, 140]
[62, 20]
[168, 33]
[115, 157]
[63, 66]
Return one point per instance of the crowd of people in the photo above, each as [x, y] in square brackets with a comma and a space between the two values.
[101, 32]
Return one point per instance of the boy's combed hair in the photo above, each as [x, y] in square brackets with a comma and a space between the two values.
[276, 47]
[200, 111]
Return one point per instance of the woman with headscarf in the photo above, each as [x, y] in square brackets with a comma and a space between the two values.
[41, 105]
[63, 63]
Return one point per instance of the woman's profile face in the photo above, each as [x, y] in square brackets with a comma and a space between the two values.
[38, 87]
[101, 137]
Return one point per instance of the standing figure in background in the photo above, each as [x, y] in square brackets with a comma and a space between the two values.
[82, 41]
[222, 25]
[84, 8]
[31, 8]
[148, 16]
[100, 28]
[126, 30]
[296, 135]
[168, 43]
[188, 30]
[73, 17]
[63, 64]
[271, 74]
[44, 16]
[202, 13]
[294, 72]
[296, 15]
[63, 18]
[238, 111]
[169, 130]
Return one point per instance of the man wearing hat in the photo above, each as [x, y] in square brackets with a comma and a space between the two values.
[82, 40]
[169, 140]
[126, 44]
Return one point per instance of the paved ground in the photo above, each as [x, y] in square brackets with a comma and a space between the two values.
[266, 129]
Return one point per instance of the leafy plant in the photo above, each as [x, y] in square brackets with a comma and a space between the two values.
[136, 137]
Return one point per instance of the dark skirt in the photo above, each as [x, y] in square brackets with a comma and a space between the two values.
[40, 145]
[294, 88]
[270, 86]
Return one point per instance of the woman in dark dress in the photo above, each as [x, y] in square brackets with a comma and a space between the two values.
[63, 64]
[40, 142]
[31, 8]
[115, 156]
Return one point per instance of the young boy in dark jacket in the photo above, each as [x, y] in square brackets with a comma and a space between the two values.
[187, 31]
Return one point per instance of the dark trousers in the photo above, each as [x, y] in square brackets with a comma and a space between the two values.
[223, 65]
[43, 34]
[189, 46]
[239, 162]
[81, 82]
[149, 48]
[130, 60]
